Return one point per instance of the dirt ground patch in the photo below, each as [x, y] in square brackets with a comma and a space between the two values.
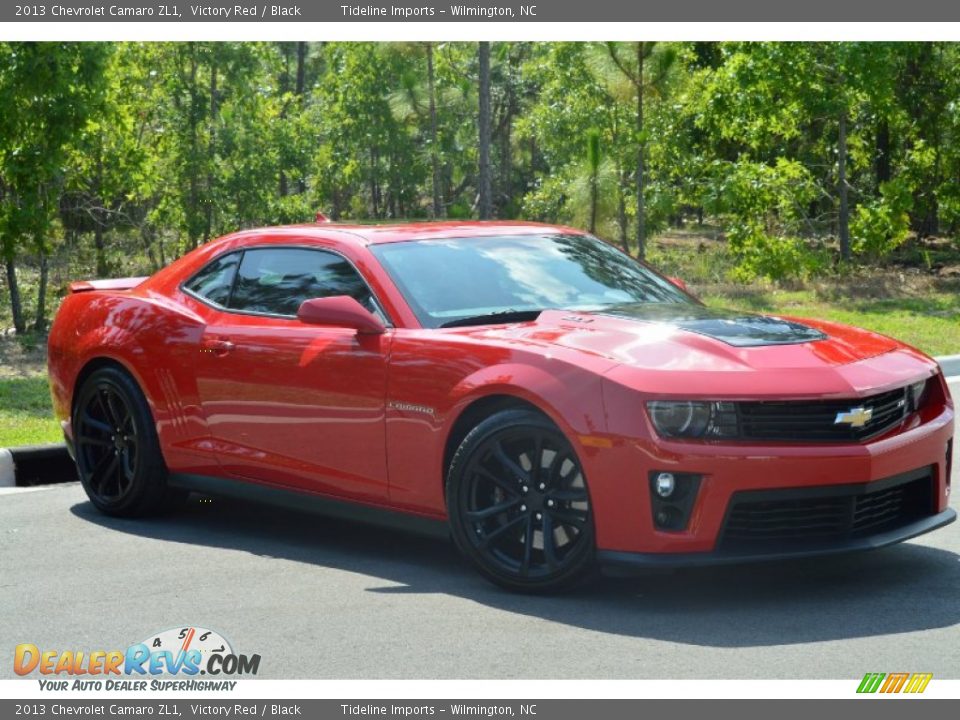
[22, 358]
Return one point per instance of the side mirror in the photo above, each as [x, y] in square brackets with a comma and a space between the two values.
[679, 283]
[340, 311]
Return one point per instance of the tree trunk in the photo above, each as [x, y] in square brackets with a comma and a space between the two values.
[881, 163]
[844, 219]
[208, 201]
[283, 188]
[374, 205]
[505, 131]
[301, 69]
[16, 304]
[99, 245]
[622, 210]
[146, 236]
[194, 197]
[437, 183]
[641, 148]
[98, 214]
[40, 320]
[485, 206]
[301, 99]
[593, 204]
[506, 169]
[593, 162]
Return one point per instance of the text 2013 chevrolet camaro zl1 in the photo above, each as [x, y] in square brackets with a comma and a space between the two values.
[553, 400]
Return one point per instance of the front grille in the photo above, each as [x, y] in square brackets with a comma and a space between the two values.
[761, 521]
[816, 420]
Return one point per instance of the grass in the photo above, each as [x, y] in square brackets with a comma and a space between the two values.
[913, 301]
[921, 323]
[26, 414]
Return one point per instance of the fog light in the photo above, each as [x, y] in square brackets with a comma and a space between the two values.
[672, 497]
[665, 484]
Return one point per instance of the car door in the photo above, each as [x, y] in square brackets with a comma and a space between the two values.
[289, 403]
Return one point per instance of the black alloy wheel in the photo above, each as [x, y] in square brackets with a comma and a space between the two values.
[519, 505]
[117, 450]
[107, 443]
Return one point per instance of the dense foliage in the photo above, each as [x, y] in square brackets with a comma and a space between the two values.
[801, 153]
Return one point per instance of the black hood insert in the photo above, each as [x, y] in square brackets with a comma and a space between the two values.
[735, 328]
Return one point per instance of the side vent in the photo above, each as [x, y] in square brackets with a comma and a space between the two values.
[171, 398]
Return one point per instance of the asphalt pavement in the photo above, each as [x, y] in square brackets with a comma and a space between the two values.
[324, 598]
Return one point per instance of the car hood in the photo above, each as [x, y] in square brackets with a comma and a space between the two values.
[687, 348]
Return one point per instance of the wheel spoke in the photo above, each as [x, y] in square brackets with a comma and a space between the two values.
[527, 547]
[95, 477]
[113, 415]
[571, 495]
[109, 472]
[101, 397]
[549, 544]
[88, 420]
[127, 456]
[97, 442]
[509, 464]
[537, 460]
[576, 518]
[499, 532]
[556, 465]
[98, 478]
[478, 515]
[505, 484]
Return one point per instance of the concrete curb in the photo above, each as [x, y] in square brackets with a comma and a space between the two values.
[36, 464]
[31, 465]
[950, 364]
[8, 472]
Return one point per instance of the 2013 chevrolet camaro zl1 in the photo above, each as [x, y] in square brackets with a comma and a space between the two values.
[552, 399]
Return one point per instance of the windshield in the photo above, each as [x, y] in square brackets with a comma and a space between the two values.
[448, 282]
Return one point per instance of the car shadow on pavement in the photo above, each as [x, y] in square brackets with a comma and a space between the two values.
[905, 588]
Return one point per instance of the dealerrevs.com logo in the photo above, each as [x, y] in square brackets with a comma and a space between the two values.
[186, 652]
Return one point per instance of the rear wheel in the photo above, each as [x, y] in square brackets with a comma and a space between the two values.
[117, 449]
[518, 503]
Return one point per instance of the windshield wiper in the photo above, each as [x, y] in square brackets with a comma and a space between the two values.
[501, 316]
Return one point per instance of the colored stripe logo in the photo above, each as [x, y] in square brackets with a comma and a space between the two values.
[895, 682]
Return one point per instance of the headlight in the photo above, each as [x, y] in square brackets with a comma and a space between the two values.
[693, 419]
[916, 395]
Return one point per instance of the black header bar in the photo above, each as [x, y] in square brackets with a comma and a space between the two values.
[400, 11]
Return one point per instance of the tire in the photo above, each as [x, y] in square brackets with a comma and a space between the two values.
[500, 504]
[118, 453]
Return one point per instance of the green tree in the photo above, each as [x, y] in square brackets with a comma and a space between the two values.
[648, 71]
[47, 91]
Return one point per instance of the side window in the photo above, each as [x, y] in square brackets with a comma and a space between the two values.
[278, 280]
[213, 283]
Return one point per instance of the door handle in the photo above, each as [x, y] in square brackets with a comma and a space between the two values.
[219, 346]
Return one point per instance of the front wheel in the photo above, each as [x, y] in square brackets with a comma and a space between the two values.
[518, 503]
[117, 449]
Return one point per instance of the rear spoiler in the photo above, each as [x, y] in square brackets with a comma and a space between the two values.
[114, 284]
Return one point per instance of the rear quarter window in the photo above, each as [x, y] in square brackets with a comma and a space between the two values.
[213, 282]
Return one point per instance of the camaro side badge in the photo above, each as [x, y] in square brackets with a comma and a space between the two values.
[410, 407]
[855, 417]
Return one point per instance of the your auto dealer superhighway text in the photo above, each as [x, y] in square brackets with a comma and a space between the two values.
[172, 11]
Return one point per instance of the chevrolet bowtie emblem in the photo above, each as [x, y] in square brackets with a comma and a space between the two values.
[855, 417]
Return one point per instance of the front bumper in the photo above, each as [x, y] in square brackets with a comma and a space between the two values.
[639, 561]
[621, 496]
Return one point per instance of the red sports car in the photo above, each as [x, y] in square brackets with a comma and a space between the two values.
[552, 400]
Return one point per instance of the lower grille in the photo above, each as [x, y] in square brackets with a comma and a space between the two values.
[799, 518]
